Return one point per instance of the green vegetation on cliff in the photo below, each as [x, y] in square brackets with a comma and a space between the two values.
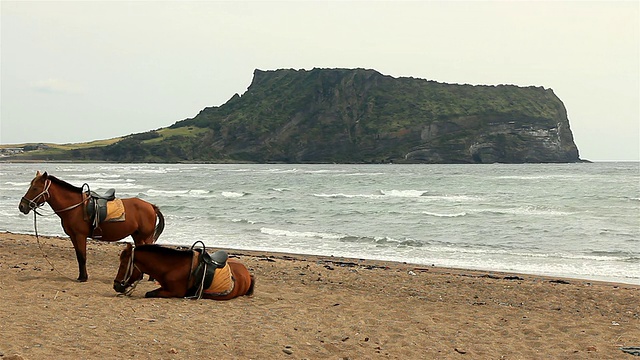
[359, 116]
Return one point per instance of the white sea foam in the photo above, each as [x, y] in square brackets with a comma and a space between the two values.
[381, 194]
[138, 169]
[238, 170]
[347, 196]
[450, 198]
[196, 193]
[154, 192]
[403, 193]
[444, 215]
[109, 185]
[302, 234]
[362, 174]
[279, 189]
[95, 176]
[324, 171]
[534, 177]
[20, 184]
[233, 194]
[282, 171]
[527, 210]
[246, 221]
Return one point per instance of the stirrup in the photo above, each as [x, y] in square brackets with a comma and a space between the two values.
[97, 235]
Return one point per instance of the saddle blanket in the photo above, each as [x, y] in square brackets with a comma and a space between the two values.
[115, 211]
[222, 283]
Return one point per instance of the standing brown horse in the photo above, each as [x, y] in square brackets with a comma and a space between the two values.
[68, 203]
[179, 275]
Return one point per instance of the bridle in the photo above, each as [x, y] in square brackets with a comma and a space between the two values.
[129, 273]
[33, 203]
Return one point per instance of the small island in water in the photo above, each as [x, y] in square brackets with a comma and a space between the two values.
[347, 116]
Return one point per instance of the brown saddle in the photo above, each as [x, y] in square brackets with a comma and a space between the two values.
[96, 209]
[205, 270]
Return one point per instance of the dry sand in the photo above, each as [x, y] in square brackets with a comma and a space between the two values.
[306, 307]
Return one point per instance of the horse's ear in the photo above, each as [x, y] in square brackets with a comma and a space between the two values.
[38, 173]
[45, 175]
[129, 246]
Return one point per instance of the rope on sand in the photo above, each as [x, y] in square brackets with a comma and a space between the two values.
[35, 226]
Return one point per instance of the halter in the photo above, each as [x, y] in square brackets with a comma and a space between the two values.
[129, 273]
[33, 203]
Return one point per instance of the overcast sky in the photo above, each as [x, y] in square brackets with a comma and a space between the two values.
[85, 70]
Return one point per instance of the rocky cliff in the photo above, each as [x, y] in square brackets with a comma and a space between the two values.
[341, 115]
[361, 116]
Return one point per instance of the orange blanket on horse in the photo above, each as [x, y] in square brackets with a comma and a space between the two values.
[222, 283]
[115, 210]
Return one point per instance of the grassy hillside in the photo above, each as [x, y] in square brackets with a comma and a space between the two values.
[353, 116]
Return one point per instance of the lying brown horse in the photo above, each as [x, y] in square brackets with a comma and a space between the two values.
[181, 273]
[69, 202]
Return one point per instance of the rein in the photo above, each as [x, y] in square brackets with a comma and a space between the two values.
[42, 250]
[35, 211]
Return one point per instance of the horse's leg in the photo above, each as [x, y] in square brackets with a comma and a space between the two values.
[80, 245]
[160, 293]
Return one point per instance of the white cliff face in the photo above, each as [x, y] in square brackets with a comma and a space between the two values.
[548, 138]
[475, 139]
[521, 144]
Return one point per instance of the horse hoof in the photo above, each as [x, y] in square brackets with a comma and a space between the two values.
[82, 279]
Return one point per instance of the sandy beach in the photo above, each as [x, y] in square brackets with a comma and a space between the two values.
[306, 307]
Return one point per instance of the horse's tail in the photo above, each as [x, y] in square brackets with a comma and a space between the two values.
[160, 226]
[250, 290]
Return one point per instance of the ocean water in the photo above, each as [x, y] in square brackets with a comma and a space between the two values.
[570, 220]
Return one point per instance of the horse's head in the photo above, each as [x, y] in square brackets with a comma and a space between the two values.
[37, 194]
[128, 272]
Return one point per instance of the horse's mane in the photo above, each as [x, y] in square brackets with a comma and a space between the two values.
[64, 184]
[162, 250]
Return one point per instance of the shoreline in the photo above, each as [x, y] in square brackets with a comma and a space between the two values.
[436, 268]
[312, 307]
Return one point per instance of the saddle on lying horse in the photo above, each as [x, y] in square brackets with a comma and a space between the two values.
[101, 208]
[212, 274]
